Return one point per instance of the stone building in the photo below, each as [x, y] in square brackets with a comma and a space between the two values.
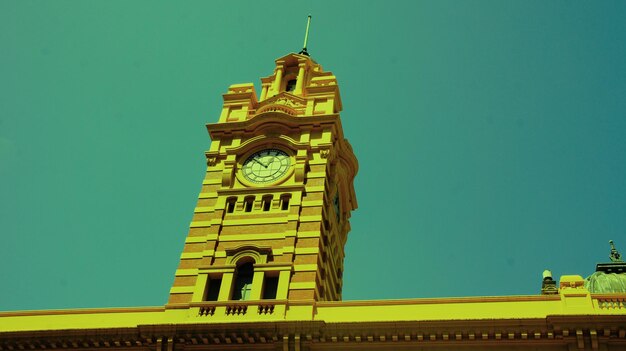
[262, 265]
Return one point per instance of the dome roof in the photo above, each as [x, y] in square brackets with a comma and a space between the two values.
[601, 282]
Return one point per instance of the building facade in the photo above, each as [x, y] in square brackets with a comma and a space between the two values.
[273, 215]
[262, 264]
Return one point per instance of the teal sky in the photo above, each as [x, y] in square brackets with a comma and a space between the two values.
[490, 137]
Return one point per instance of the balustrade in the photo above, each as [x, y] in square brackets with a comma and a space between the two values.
[611, 303]
[239, 308]
[207, 311]
[236, 309]
[267, 308]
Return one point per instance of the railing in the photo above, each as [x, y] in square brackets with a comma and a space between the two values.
[611, 302]
[279, 108]
[238, 308]
[267, 308]
[207, 311]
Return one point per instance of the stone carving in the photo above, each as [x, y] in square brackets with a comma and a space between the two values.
[284, 100]
[287, 102]
[283, 103]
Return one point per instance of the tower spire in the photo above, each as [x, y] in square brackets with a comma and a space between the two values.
[615, 255]
[617, 265]
[306, 37]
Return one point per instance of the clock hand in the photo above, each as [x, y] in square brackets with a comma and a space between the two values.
[259, 162]
[271, 161]
[267, 164]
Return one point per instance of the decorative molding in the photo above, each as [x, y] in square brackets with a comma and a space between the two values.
[261, 119]
[257, 253]
[211, 160]
[283, 102]
[450, 300]
[267, 189]
[211, 332]
[81, 311]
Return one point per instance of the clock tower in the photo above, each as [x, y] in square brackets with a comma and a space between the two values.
[272, 217]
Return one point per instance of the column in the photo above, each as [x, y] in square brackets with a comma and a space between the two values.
[300, 81]
[227, 284]
[283, 284]
[257, 285]
[278, 80]
[198, 290]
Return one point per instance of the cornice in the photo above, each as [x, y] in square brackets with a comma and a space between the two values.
[258, 120]
[82, 311]
[268, 189]
[553, 330]
[448, 300]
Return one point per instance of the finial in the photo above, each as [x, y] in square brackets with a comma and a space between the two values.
[306, 37]
[614, 255]
[548, 285]
[547, 274]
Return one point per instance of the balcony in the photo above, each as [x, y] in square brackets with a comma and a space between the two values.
[246, 310]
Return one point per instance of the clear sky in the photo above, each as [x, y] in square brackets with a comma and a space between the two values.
[490, 136]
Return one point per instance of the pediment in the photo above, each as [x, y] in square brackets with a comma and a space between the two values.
[284, 101]
[293, 58]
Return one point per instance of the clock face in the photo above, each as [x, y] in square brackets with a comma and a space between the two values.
[266, 166]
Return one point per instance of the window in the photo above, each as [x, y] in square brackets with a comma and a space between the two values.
[336, 206]
[213, 289]
[230, 204]
[284, 202]
[267, 202]
[243, 282]
[291, 85]
[270, 287]
[247, 206]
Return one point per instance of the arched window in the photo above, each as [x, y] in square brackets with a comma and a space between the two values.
[291, 85]
[243, 281]
[247, 203]
[267, 202]
[284, 202]
[230, 204]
